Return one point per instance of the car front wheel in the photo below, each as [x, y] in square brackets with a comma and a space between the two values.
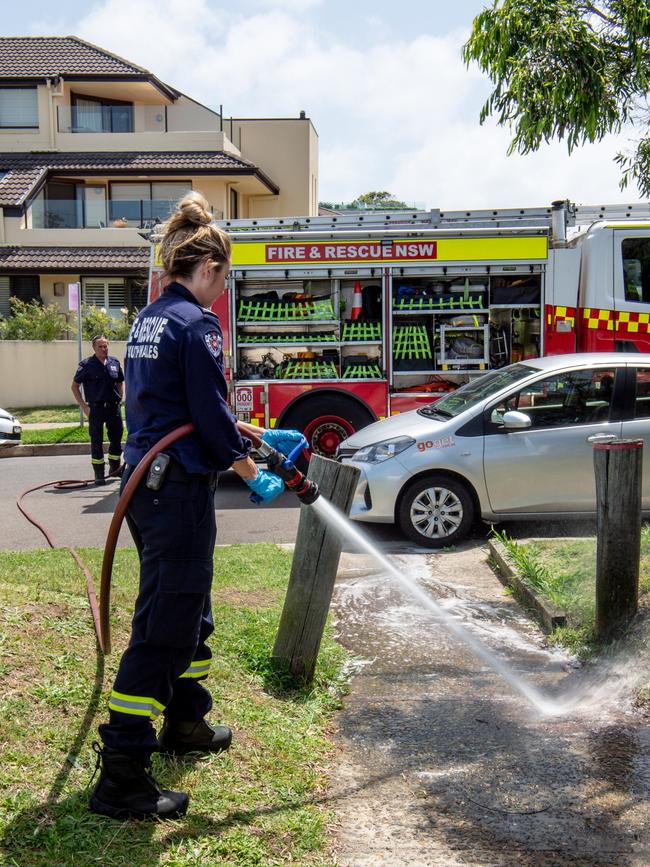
[436, 511]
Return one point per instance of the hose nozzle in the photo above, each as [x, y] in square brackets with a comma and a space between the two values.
[283, 466]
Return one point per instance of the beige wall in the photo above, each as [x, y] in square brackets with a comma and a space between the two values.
[287, 150]
[39, 374]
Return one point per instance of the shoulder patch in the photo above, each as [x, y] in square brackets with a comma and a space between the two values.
[213, 341]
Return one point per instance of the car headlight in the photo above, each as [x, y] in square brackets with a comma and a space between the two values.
[382, 451]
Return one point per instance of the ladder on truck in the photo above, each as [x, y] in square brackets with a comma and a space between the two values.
[495, 218]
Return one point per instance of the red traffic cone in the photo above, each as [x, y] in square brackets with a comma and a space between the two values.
[357, 301]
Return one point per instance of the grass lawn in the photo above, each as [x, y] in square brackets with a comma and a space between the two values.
[564, 570]
[56, 435]
[262, 803]
[42, 414]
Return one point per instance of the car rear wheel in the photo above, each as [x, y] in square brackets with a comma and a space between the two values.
[436, 511]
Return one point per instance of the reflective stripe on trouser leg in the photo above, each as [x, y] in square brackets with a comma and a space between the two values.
[97, 461]
[198, 668]
[135, 705]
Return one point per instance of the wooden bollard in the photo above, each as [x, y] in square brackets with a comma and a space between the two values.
[313, 572]
[618, 468]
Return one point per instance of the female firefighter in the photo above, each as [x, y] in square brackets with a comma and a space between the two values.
[174, 375]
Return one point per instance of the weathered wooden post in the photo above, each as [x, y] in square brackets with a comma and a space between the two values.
[618, 496]
[313, 571]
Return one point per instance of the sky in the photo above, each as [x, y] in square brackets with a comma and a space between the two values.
[383, 82]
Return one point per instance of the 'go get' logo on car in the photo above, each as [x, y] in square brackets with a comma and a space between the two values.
[441, 443]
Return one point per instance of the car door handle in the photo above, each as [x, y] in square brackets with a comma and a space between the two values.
[602, 438]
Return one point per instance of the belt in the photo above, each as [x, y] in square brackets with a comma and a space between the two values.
[176, 472]
[104, 403]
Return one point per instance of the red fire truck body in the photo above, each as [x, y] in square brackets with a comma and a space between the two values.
[331, 323]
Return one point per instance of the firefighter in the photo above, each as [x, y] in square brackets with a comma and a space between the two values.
[175, 374]
[103, 382]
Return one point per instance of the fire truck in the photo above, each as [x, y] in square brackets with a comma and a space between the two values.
[331, 323]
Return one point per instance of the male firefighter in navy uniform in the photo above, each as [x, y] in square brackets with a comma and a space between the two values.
[103, 383]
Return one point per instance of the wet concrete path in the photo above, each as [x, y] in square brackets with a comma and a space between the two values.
[440, 763]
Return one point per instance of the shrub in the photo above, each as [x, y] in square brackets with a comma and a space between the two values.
[95, 320]
[32, 321]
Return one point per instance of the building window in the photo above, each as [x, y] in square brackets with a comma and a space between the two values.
[18, 108]
[146, 202]
[26, 287]
[234, 205]
[90, 114]
[106, 292]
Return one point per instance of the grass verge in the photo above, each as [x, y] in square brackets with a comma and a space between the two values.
[53, 435]
[564, 571]
[262, 803]
[46, 414]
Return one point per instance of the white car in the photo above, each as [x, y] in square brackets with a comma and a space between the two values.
[10, 429]
[514, 443]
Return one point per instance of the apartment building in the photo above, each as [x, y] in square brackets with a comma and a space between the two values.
[94, 149]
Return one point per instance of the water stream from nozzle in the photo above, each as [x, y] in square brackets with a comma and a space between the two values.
[344, 527]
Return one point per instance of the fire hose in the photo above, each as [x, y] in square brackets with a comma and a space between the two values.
[282, 465]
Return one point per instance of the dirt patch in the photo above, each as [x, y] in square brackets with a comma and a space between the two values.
[255, 599]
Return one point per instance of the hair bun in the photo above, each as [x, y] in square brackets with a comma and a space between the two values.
[195, 209]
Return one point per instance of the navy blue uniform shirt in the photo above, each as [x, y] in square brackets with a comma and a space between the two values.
[174, 375]
[99, 380]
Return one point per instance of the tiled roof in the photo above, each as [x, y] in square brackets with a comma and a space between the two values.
[74, 259]
[43, 56]
[24, 171]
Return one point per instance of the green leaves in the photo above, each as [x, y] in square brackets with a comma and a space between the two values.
[570, 70]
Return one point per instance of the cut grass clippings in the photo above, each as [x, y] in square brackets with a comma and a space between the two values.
[262, 803]
[564, 571]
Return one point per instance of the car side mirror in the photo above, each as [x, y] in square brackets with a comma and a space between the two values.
[513, 420]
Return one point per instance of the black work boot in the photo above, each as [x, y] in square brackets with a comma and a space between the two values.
[114, 467]
[126, 789]
[99, 474]
[180, 738]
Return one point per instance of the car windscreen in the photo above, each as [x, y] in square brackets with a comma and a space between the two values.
[476, 390]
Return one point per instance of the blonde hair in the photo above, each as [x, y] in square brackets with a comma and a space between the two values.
[189, 237]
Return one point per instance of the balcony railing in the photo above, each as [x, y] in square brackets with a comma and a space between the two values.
[112, 213]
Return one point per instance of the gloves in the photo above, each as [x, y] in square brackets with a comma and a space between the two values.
[265, 486]
[283, 440]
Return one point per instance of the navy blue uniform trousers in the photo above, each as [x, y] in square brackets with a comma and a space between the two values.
[160, 672]
[105, 413]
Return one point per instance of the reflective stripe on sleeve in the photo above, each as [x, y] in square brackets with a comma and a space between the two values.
[136, 705]
[198, 668]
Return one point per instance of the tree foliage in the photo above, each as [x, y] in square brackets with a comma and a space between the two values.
[377, 200]
[573, 70]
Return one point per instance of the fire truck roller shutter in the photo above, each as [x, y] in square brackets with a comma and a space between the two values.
[326, 418]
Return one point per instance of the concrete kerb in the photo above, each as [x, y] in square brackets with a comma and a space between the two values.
[507, 572]
[45, 450]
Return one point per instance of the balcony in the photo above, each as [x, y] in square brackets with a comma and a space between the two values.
[107, 213]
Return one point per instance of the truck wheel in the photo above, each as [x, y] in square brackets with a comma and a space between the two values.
[436, 511]
[326, 421]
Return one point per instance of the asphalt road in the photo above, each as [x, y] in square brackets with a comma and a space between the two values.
[81, 517]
